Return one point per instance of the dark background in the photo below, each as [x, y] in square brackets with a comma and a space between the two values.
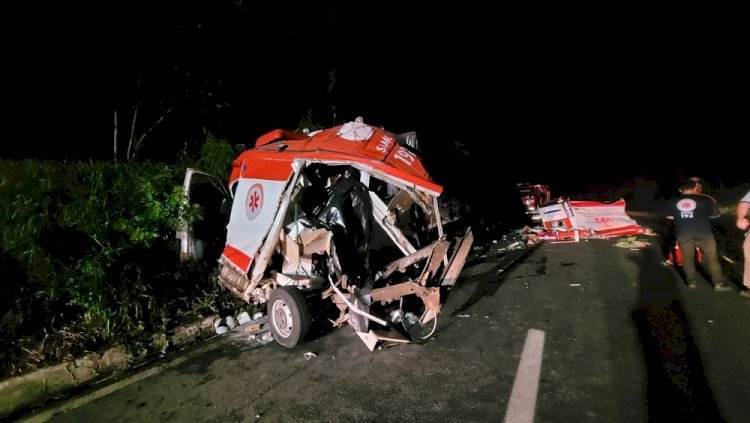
[565, 96]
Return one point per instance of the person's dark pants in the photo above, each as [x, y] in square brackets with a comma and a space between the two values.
[668, 243]
[710, 258]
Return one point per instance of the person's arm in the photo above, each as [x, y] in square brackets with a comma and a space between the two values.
[668, 211]
[715, 212]
[742, 208]
[707, 196]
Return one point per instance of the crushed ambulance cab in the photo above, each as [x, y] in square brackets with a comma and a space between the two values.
[340, 225]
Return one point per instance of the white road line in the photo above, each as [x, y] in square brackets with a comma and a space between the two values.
[522, 403]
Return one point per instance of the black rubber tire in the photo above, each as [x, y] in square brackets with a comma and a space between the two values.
[288, 316]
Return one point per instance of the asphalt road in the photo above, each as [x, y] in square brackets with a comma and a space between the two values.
[619, 338]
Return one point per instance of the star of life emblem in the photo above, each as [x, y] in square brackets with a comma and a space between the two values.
[254, 201]
[687, 205]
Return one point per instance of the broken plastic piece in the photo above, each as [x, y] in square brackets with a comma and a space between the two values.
[243, 318]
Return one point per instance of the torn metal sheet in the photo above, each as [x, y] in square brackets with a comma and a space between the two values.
[437, 256]
[430, 296]
[369, 338]
[403, 263]
[357, 309]
[582, 219]
[457, 261]
[387, 221]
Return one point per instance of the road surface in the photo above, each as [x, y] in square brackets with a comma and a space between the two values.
[574, 332]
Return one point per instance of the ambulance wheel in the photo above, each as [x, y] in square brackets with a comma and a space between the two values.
[288, 316]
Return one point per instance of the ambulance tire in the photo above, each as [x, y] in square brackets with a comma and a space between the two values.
[288, 315]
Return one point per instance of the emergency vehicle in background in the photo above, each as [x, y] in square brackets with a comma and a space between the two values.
[534, 196]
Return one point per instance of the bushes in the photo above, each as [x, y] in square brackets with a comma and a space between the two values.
[92, 245]
[216, 157]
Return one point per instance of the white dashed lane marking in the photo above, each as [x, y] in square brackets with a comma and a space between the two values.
[522, 403]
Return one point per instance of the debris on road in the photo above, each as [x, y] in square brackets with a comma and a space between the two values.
[244, 318]
[518, 239]
[252, 328]
[564, 219]
[632, 243]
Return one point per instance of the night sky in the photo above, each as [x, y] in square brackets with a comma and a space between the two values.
[556, 96]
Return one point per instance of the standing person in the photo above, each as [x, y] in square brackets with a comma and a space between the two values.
[692, 213]
[701, 188]
[743, 206]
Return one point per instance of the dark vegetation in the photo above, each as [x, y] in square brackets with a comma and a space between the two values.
[88, 257]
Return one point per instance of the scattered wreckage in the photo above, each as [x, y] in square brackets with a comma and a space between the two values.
[574, 219]
[341, 224]
[564, 219]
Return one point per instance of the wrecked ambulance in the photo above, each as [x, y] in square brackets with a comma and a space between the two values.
[341, 225]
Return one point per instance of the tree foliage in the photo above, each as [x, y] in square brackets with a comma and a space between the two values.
[93, 245]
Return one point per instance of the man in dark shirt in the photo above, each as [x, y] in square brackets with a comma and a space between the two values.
[692, 213]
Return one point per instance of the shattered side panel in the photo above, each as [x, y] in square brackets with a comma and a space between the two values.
[253, 212]
[605, 218]
[589, 218]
